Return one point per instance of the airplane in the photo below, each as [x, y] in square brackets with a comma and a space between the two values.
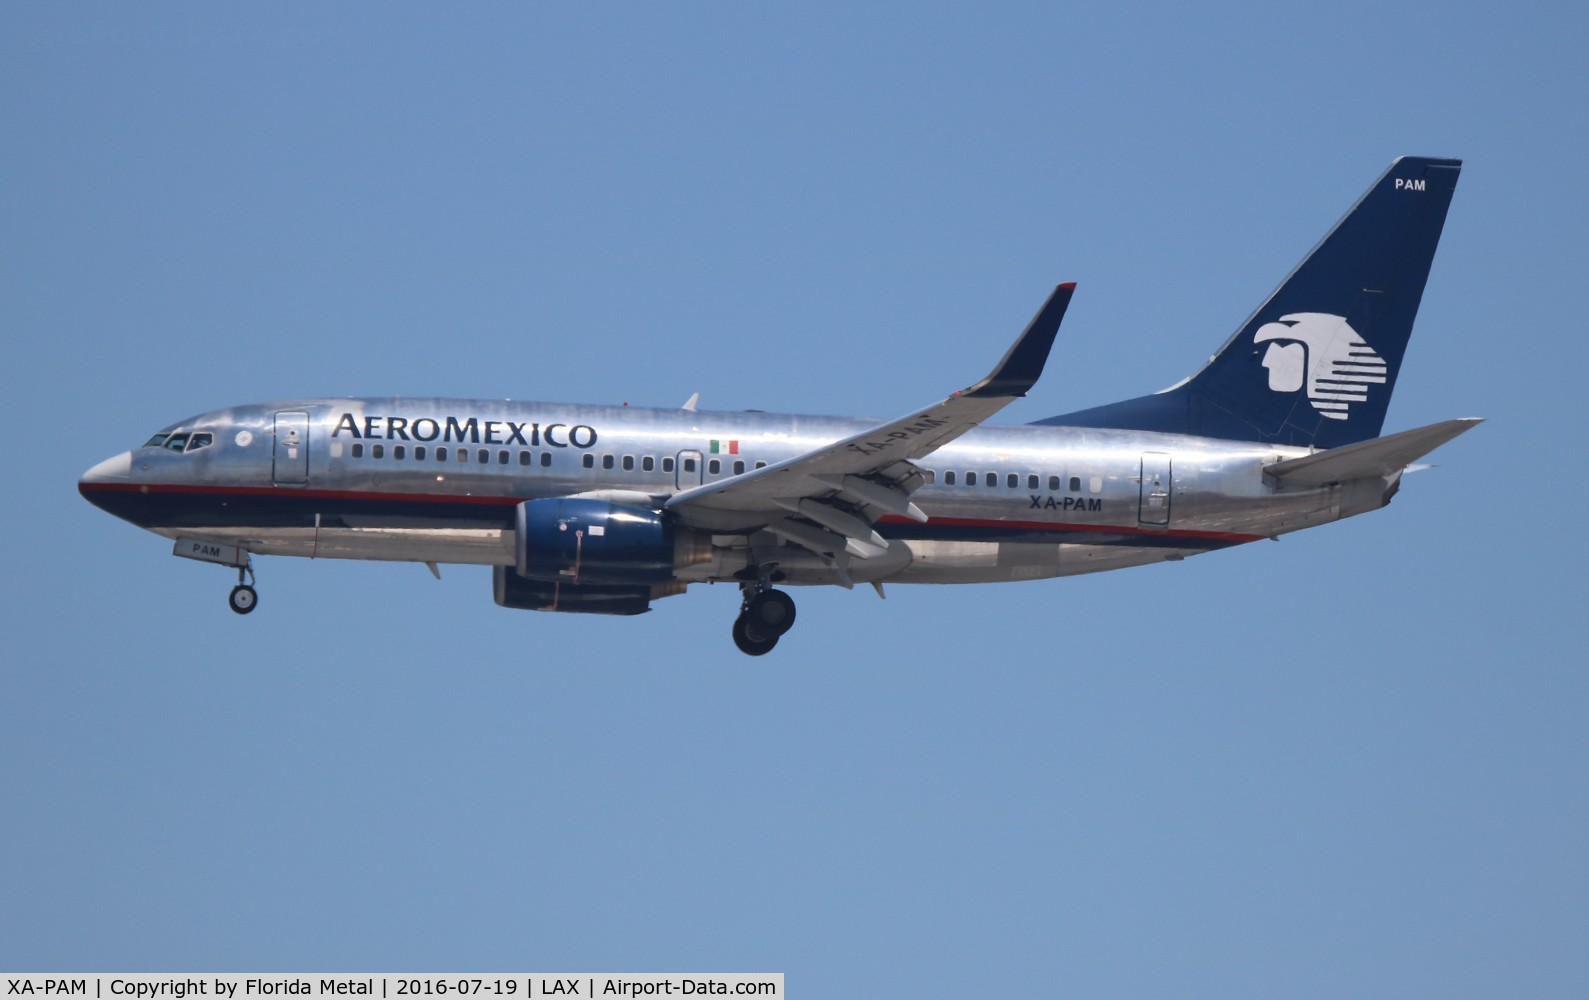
[605, 509]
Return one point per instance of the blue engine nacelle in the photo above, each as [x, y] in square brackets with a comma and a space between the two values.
[581, 542]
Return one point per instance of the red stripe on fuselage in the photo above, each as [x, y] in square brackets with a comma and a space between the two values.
[1068, 526]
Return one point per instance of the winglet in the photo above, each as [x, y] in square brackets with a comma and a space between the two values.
[1020, 368]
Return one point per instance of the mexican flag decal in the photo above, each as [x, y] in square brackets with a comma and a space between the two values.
[724, 447]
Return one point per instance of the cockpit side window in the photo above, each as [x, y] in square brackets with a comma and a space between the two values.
[177, 442]
[200, 439]
[155, 442]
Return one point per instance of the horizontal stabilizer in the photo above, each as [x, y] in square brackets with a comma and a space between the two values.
[1384, 456]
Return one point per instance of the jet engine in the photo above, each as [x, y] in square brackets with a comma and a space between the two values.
[573, 540]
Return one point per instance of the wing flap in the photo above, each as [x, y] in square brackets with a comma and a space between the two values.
[838, 521]
[865, 492]
[818, 540]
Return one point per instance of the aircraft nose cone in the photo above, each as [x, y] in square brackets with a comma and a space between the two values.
[117, 469]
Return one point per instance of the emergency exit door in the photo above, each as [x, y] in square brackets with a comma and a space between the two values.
[1154, 504]
[689, 470]
[290, 466]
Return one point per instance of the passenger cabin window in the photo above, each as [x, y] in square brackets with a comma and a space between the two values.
[377, 451]
[689, 465]
[1075, 484]
[628, 463]
[992, 479]
[949, 478]
[1012, 480]
[1095, 484]
[929, 477]
[588, 460]
[648, 464]
[546, 460]
[714, 466]
[971, 479]
[606, 461]
[441, 453]
[398, 451]
[463, 455]
[761, 465]
[1031, 482]
[202, 439]
[524, 458]
[358, 450]
[484, 456]
[739, 468]
[502, 457]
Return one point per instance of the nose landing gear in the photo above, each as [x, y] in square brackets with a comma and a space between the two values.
[764, 616]
[243, 598]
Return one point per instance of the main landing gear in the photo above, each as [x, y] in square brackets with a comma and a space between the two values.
[764, 616]
[243, 598]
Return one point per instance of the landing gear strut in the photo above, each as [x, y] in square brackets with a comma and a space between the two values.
[764, 616]
[243, 598]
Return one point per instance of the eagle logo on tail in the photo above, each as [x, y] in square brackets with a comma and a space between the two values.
[1322, 352]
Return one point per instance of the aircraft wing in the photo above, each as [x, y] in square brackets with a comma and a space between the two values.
[827, 499]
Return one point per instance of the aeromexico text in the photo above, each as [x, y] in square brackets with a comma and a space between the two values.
[471, 431]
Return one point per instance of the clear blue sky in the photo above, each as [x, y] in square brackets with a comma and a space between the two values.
[1352, 763]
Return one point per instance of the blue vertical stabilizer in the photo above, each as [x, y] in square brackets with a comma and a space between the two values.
[1316, 363]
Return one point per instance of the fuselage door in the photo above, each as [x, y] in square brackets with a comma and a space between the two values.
[1154, 505]
[689, 468]
[290, 466]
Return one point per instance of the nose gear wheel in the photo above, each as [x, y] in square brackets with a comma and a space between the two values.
[243, 598]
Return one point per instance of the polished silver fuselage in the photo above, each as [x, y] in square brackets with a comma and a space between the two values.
[437, 480]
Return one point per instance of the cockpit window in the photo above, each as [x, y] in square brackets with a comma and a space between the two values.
[181, 440]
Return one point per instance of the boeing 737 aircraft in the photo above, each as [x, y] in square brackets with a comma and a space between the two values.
[605, 509]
